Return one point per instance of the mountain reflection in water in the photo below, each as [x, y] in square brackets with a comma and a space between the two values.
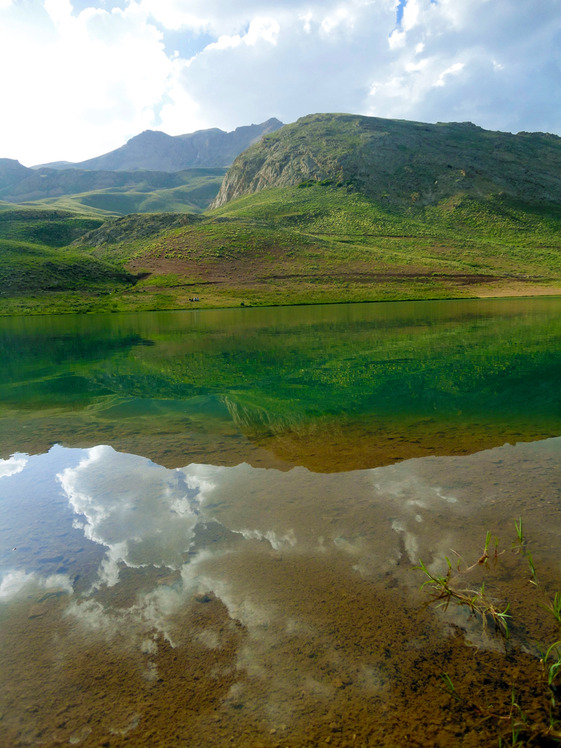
[332, 388]
[209, 605]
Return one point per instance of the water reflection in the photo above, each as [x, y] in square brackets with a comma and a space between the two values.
[222, 551]
[143, 513]
[332, 388]
[241, 601]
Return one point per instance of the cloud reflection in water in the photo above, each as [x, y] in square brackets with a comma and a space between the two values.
[286, 556]
[143, 513]
[15, 464]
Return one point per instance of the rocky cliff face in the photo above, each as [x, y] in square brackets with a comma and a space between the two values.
[398, 161]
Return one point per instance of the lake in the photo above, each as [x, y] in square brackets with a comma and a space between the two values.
[210, 523]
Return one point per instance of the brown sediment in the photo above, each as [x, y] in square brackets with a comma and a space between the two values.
[366, 443]
[347, 663]
[322, 445]
[168, 444]
[318, 638]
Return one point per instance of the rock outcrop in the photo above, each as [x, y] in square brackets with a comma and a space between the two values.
[399, 161]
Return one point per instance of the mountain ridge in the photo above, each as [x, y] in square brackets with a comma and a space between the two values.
[399, 161]
[154, 150]
[152, 172]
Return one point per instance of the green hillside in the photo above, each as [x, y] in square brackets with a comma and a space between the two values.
[39, 272]
[114, 193]
[319, 243]
[340, 208]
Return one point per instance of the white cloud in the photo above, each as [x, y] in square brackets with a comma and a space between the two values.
[306, 18]
[454, 69]
[260, 29]
[225, 42]
[81, 85]
[142, 512]
[15, 464]
[16, 582]
[417, 66]
[462, 81]
[411, 13]
[177, 15]
[59, 11]
[397, 39]
[341, 17]
[82, 82]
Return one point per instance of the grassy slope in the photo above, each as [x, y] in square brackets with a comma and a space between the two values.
[38, 272]
[308, 244]
[326, 243]
[189, 191]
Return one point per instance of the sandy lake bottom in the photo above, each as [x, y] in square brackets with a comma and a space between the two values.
[248, 606]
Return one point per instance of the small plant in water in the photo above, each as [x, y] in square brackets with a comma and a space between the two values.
[519, 534]
[445, 589]
[521, 728]
[554, 607]
[450, 688]
[534, 579]
[553, 670]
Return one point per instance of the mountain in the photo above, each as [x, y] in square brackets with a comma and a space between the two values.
[155, 151]
[399, 162]
[153, 172]
[333, 208]
[11, 172]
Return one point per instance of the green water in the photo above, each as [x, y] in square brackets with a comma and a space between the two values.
[329, 387]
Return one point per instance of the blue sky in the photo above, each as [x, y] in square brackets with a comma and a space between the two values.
[80, 77]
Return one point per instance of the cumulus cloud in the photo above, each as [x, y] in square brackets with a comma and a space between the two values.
[15, 464]
[483, 61]
[80, 85]
[143, 513]
[84, 75]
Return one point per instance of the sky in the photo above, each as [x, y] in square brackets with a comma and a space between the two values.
[78, 78]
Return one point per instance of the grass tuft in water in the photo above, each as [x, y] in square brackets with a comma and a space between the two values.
[520, 728]
[520, 542]
[534, 577]
[553, 670]
[445, 589]
[555, 607]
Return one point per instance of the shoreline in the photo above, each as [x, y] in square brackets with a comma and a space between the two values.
[176, 301]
